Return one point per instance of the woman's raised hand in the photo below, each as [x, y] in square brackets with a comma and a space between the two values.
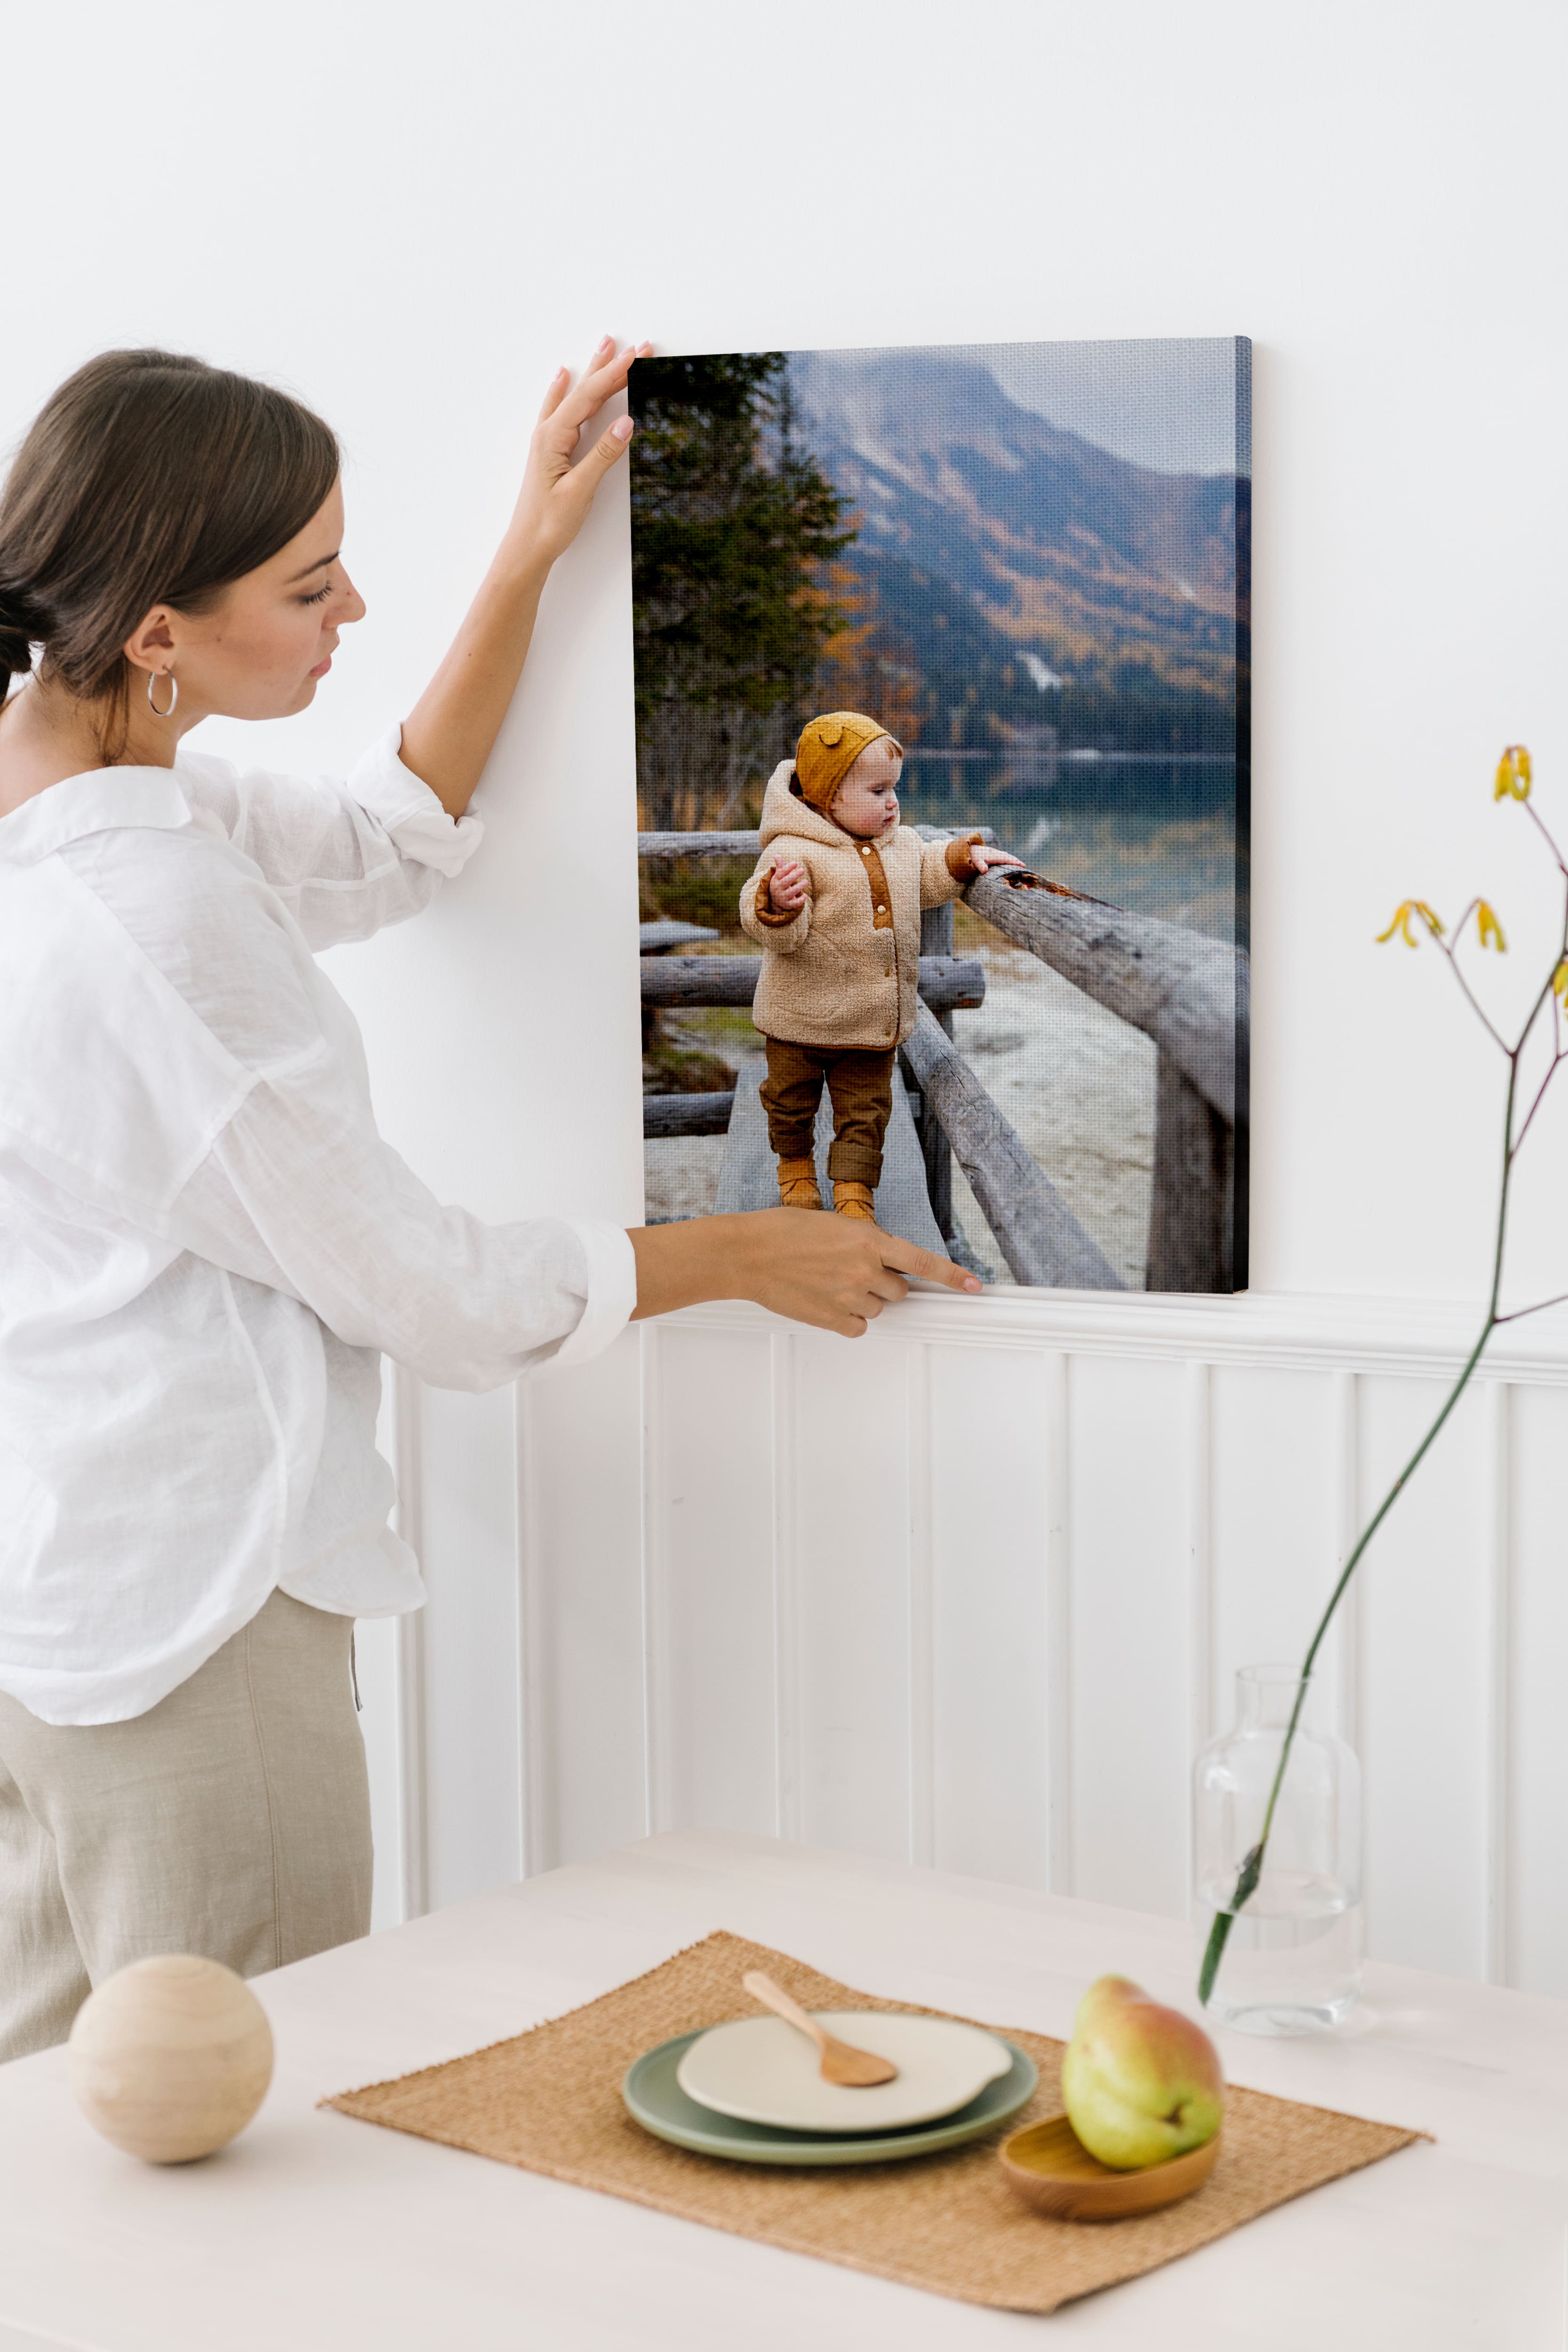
[450, 732]
[556, 494]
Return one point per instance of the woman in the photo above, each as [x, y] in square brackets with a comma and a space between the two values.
[205, 1246]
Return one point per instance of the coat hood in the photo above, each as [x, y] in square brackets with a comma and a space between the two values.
[785, 812]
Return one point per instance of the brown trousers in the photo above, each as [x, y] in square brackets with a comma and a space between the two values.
[860, 1088]
[232, 1819]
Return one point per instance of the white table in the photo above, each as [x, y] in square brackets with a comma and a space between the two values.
[314, 2231]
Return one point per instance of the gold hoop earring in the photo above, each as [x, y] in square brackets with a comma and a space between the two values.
[173, 694]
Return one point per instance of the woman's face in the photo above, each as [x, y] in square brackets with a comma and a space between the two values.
[267, 642]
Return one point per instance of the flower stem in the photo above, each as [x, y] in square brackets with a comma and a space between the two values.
[1252, 1869]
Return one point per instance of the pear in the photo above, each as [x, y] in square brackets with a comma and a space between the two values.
[1140, 2083]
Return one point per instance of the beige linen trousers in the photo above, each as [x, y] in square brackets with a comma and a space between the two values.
[232, 1819]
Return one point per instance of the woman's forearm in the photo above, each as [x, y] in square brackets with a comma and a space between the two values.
[451, 732]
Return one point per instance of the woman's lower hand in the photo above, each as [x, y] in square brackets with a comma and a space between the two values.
[833, 1272]
[553, 502]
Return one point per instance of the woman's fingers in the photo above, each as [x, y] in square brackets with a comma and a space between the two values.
[581, 484]
[605, 375]
[561, 421]
[908, 1257]
[555, 392]
[567, 407]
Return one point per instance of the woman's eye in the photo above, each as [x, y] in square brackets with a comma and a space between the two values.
[319, 597]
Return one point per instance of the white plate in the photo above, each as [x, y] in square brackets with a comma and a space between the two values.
[763, 2072]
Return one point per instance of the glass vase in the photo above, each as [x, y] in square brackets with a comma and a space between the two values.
[1293, 1962]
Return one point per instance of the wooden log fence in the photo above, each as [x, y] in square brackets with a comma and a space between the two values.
[699, 845]
[749, 845]
[705, 1114]
[1037, 1233]
[1185, 990]
[675, 979]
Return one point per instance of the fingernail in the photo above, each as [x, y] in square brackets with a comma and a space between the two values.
[972, 1282]
[622, 429]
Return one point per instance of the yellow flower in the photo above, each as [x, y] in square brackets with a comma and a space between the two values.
[1560, 981]
[1487, 928]
[1513, 774]
[1401, 922]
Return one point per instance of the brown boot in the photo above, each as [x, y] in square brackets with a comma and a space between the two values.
[797, 1184]
[853, 1199]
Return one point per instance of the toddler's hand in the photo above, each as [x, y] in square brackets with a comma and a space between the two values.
[982, 857]
[786, 886]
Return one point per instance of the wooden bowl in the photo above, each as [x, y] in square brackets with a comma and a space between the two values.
[1053, 2170]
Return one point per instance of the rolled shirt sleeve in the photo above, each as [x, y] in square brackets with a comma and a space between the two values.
[610, 1299]
[300, 1192]
[345, 857]
[414, 819]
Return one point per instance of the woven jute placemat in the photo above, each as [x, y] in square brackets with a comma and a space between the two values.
[549, 2101]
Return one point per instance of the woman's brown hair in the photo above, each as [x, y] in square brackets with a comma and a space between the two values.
[148, 477]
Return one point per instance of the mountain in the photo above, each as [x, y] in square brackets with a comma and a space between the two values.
[1015, 570]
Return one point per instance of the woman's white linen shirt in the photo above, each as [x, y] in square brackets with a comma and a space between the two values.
[205, 1246]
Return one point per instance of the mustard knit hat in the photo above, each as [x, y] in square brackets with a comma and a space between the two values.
[828, 750]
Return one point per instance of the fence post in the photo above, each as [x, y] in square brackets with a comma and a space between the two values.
[1189, 1218]
[937, 940]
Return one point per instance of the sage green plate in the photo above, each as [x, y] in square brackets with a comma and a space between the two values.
[655, 2100]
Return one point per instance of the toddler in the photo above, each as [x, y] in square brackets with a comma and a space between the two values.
[835, 905]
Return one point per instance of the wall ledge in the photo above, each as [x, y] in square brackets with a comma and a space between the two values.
[1277, 1332]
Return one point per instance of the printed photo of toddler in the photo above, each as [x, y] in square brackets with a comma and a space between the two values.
[835, 905]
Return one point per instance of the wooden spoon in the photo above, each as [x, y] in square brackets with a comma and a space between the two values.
[857, 2070]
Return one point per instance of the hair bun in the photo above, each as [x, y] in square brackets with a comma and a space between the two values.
[21, 628]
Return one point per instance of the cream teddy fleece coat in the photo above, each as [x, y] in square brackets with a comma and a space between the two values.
[845, 969]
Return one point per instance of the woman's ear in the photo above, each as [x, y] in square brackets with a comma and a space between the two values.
[152, 637]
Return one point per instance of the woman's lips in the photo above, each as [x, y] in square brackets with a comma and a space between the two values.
[322, 667]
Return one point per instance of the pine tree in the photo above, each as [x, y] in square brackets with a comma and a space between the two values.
[731, 523]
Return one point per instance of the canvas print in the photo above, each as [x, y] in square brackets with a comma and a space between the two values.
[942, 765]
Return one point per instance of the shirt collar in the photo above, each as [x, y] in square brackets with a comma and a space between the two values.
[102, 800]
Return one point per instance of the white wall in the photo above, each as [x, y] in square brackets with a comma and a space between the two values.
[411, 217]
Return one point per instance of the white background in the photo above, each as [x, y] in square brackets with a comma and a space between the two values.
[409, 216]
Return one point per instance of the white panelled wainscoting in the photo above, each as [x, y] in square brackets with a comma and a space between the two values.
[973, 1591]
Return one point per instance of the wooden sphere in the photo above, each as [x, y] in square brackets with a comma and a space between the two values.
[170, 2058]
